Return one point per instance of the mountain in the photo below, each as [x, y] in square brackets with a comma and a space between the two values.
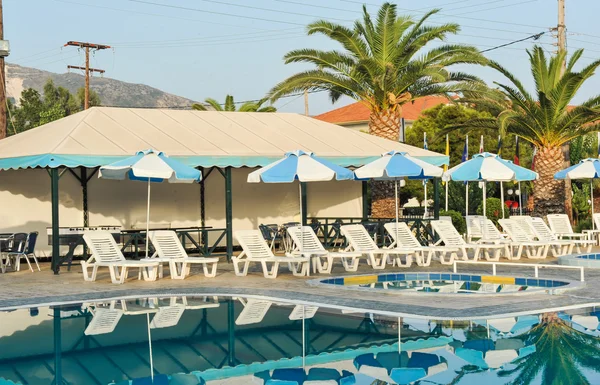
[112, 92]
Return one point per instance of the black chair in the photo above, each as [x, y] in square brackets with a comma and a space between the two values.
[23, 246]
[271, 234]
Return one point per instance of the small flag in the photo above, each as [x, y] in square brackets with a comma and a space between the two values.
[465, 154]
[533, 158]
[426, 147]
[499, 152]
[516, 159]
[481, 145]
[598, 144]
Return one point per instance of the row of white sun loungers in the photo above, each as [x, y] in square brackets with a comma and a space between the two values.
[522, 234]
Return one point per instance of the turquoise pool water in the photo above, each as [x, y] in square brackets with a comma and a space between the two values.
[218, 340]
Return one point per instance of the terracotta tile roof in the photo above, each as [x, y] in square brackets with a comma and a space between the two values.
[358, 112]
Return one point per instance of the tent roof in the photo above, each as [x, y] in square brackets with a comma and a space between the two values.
[101, 135]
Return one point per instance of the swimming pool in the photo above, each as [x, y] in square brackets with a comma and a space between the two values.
[585, 260]
[449, 283]
[224, 340]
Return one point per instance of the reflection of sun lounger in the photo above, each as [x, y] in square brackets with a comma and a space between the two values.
[254, 311]
[104, 321]
[586, 321]
[141, 306]
[167, 316]
[195, 303]
[302, 311]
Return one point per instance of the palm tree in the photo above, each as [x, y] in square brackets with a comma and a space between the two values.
[229, 105]
[383, 63]
[546, 118]
[561, 355]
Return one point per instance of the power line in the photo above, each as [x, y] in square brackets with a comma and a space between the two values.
[502, 6]
[534, 37]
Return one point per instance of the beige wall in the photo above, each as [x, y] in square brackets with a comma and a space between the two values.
[25, 202]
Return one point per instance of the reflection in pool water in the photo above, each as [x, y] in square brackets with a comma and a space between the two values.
[196, 340]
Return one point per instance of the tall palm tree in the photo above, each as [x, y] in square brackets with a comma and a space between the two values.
[229, 105]
[384, 63]
[546, 119]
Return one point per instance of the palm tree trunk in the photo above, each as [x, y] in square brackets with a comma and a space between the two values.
[549, 193]
[385, 124]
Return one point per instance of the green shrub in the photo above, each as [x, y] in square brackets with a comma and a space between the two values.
[457, 220]
[493, 207]
[585, 224]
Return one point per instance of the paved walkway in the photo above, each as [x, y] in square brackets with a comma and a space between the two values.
[25, 289]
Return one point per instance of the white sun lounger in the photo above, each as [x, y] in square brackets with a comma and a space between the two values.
[557, 247]
[545, 234]
[359, 241]
[307, 244]
[167, 316]
[595, 233]
[170, 250]
[561, 227]
[450, 237]
[104, 321]
[255, 249]
[523, 242]
[254, 311]
[106, 253]
[404, 238]
[474, 227]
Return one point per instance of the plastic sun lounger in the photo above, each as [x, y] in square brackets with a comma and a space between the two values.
[170, 250]
[307, 244]
[557, 247]
[544, 233]
[474, 229]
[450, 237]
[492, 235]
[561, 227]
[106, 253]
[404, 238]
[522, 241]
[359, 241]
[254, 311]
[255, 249]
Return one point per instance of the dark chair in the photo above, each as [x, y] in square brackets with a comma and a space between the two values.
[23, 246]
[271, 234]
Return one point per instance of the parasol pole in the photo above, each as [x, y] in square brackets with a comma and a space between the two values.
[148, 219]
[592, 195]
[502, 199]
[446, 206]
[466, 199]
[520, 203]
[396, 188]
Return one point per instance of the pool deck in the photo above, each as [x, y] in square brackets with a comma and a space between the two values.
[22, 289]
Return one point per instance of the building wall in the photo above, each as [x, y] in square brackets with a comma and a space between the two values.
[25, 202]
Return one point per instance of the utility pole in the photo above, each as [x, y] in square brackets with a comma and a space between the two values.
[3, 107]
[306, 102]
[561, 30]
[87, 69]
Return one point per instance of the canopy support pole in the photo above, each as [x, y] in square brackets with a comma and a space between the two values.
[365, 201]
[484, 199]
[466, 198]
[436, 198]
[58, 379]
[55, 235]
[446, 200]
[231, 332]
[426, 200]
[592, 195]
[150, 340]
[202, 199]
[304, 204]
[228, 213]
[148, 221]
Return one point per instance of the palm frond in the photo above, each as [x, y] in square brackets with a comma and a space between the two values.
[214, 104]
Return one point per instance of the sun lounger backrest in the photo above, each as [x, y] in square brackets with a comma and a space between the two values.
[103, 247]
[358, 237]
[253, 244]
[104, 321]
[526, 226]
[167, 316]
[542, 230]
[559, 223]
[514, 230]
[474, 229]
[491, 231]
[596, 217]
[402, 234]
[167, 244]
[305, 238]
[448, 233]
[254, 311]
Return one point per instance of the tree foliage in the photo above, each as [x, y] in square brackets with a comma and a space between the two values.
[54, 103]
[383, 62]
[230, 105]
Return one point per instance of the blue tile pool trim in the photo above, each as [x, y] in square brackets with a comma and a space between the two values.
[591, 260]
[532, 284]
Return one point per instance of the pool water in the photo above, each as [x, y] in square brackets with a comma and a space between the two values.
[220, 341]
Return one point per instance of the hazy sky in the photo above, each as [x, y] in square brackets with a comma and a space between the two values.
[208, 48]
